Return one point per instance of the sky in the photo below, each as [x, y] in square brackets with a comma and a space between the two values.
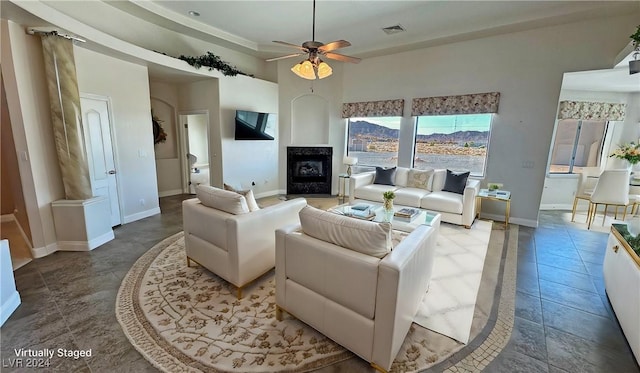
[439, 124]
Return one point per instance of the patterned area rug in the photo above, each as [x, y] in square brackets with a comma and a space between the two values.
[188, 320]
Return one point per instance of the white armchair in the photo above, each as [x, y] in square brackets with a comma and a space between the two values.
[237, 247]
[338, 278]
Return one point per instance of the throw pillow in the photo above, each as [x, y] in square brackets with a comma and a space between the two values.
[455, 182]
[248, 194]
[224, 200]
[419, 178]
[364, 236]
[385, 176]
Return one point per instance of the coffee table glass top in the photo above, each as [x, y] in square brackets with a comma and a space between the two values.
[378, 214]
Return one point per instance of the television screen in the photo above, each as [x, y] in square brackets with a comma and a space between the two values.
[251, 125]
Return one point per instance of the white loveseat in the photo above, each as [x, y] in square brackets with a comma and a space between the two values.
[237, 246]
[455, 208]
[355, 293]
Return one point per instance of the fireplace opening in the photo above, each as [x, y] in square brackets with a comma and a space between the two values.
[309, 170]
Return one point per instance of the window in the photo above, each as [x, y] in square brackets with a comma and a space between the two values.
[374, 140]
[578, 144]
[456, 142]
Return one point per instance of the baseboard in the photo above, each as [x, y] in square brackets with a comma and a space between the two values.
[267, 194]
[168, 193]
[141, 215]
[512, 220]
[39, 252]
[85, 245]
[9, 306]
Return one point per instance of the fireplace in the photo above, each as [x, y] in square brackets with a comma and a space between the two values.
[309, 169]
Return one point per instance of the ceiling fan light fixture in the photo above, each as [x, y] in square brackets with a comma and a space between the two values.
[324, 70]
[304, 70]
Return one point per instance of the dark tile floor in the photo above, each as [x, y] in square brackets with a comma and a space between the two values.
[563, 323]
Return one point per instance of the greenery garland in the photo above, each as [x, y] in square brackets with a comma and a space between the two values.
[211, 61]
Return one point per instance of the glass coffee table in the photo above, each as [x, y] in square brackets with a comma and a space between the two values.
[378, 215]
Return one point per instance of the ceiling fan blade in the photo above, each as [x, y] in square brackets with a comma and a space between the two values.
[290, 45]
[283, 57]
[334, 45]
[342, 57]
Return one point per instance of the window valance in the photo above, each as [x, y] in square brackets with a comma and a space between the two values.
[591, 110]
[477, 103]
[386, 108]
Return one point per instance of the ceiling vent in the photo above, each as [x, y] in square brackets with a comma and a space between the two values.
[393, 29]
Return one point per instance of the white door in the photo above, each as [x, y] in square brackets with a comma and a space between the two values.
[97, 137]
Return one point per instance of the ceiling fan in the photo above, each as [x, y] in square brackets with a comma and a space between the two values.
[313, 67]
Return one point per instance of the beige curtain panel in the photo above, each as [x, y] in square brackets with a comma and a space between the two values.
[477, 103]
[387, 108]
[591, 110]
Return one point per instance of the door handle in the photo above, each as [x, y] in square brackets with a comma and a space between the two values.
[112, 172]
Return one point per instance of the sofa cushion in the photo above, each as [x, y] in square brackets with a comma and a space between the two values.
[248, 194]
[455, 182]
[443, 202]
[373, 192]
[224, 200]
[409, 196]
[385, 176]
[364, 236]
[419, 178]
[402, 174]
[437, 180]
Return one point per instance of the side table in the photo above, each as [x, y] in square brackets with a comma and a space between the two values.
[497, 195]
[342, 187]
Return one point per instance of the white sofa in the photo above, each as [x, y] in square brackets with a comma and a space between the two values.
[363, 302]
[237, 247]
[455, 208]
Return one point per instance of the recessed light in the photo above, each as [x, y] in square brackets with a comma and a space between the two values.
[193, 13]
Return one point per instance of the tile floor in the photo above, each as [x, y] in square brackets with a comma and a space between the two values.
[564, 322]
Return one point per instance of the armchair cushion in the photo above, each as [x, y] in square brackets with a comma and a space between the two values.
[385, 176]
[364, 236]
[248, 195]
[224, 200]
[455, 182]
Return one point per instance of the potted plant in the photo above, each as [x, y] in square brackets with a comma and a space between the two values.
[388, 197]
[629, 152]
[634, 65]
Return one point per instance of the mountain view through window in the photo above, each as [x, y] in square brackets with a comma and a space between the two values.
[456, 142]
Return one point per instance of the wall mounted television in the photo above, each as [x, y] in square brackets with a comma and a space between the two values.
[251, 125]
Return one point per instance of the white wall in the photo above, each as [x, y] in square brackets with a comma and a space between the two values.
[204, 96]
[297, 130]
[247, 161]
[28, 101]
[198, 144]
[127, 86]
[525, 67]
[164, 102]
